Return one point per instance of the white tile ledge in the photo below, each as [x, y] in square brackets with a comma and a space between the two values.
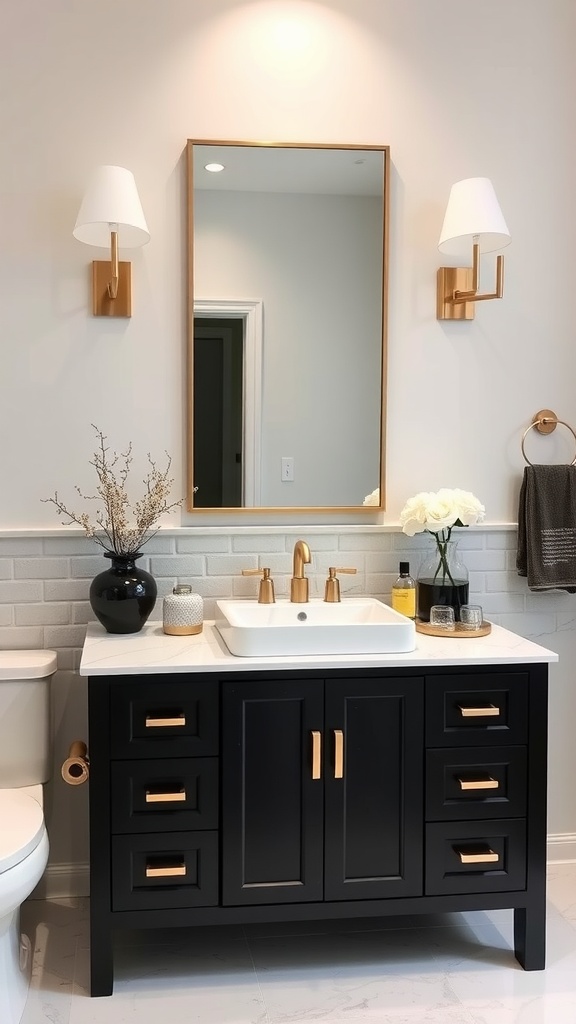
[233, 528]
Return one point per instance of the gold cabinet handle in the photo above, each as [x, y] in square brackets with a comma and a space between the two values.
[487, 783]
[486, 856]
[158, 723]
[316, 754]
[338, 754]
[165, 798]
[489, 711]
[177, 870]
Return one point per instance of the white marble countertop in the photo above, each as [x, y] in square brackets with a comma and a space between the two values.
[151, 651]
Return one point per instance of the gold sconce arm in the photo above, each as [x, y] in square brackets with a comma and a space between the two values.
[113, 283]
[458, 288]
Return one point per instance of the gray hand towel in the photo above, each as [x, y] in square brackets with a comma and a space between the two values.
[547, 528]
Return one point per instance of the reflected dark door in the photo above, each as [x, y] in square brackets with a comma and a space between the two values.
[218, 373]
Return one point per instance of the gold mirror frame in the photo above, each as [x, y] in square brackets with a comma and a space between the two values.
[330, 510]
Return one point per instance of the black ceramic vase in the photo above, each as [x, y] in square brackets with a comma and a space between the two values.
[123, 596]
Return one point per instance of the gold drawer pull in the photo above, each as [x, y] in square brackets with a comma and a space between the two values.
[486, 857]
[338, 754]
[490, 711]
[316, 755]
[488, 783]
[166, 872]
[165, 798]
[158, 723]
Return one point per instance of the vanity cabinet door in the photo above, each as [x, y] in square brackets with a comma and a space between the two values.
[272, 791]
[373, 805]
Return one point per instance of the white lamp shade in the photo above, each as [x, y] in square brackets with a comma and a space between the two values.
[111, 200]
[473, 209]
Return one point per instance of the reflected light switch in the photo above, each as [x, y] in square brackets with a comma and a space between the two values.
[287, 471]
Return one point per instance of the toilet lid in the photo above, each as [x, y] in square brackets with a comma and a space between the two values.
[21, 827]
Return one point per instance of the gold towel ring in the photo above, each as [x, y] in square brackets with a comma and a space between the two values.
[545, 422]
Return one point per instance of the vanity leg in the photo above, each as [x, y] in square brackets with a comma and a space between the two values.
[101, 962]
[530, 936]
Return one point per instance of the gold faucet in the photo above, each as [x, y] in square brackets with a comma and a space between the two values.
[299, 583]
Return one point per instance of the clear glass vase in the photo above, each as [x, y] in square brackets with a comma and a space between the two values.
[442, 578]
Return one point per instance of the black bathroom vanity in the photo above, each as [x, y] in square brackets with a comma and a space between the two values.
[235, 790]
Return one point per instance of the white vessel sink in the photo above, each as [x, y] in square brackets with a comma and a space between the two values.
[360, 625]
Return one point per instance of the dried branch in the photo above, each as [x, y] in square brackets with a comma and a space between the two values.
[117, 525]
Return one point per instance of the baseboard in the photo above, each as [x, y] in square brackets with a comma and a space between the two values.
[562, 848]
[61, 880]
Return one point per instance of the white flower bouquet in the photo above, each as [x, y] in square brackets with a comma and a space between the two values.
[438, 513]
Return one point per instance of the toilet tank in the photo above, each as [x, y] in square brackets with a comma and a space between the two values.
[25, 717]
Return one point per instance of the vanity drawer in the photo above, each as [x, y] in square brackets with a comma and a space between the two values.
[475, 782]
[174, 717]
[473, 857]
[482, 708]
[164, 795]
[174, 869]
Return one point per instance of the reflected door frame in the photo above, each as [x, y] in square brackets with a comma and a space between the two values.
[251, 312]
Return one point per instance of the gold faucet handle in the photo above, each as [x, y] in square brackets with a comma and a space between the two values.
[266, 590]
[332, 588]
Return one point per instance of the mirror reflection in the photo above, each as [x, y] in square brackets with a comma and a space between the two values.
[286, 355]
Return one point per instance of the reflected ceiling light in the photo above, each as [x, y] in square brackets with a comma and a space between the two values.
[473, 218]
[214, 167]
[110, 215]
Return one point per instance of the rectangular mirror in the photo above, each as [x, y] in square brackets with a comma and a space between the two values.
[287, 306]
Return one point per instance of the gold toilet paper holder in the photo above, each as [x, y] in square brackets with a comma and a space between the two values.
[76, 768]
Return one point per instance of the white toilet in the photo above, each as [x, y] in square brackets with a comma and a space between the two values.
[24, 766]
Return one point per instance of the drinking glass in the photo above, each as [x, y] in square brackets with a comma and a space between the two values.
[442, 616]
[471, 616]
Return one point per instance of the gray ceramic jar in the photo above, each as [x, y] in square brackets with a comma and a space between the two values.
[183, 611]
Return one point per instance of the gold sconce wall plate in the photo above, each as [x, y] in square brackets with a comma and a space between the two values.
[102, 303]
[448, 281]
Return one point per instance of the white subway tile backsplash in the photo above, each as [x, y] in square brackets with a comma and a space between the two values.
[88, 566]
[69, 546]
[226, 565]
[41, 568]
[19, 547]
[508, 581]
[6, 614]
[501, 539]
[202, 544]
[258, 543]
[66, 590]
[499, 603]
[347, 559]
[81, 612]
[366, 541]
[177, 566]
[44, 582]
[19, 638]
[64, 636]
[42, 614]
[483, 561]
[15, 591]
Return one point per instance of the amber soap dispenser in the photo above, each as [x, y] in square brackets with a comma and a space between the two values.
[404, 592]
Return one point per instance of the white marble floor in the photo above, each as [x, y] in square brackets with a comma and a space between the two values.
[450, 969]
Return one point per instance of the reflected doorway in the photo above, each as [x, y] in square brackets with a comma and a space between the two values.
[218, 426]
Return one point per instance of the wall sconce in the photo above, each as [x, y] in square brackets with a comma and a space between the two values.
[111, 214]
[473, 218]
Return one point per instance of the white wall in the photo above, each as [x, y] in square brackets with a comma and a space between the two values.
[474, 90]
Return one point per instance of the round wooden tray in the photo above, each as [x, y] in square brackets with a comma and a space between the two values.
[460, 632]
